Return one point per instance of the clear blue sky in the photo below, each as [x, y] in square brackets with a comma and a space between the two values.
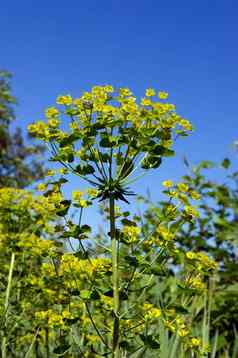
[188, 48]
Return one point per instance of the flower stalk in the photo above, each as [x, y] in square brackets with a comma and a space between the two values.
[115, 277]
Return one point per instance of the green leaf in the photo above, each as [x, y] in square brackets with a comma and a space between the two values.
[69, 140]
[107, 141]
[151, 162]
[162, 151]
[150, 341]
[85, 294]
[226, 163]
[63, 210]
[61, 349]
[128, 222]
[94, 295]
[85, 169]
[179, 309]
[132, 260]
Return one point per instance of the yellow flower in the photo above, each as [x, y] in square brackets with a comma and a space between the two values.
[83, 203]
[151, 312]
[53, 122]
[51, 112]
[196, 282]
[74, 125]
[195, 342]
[168, 183]
[67, 100]
[124, 92]
[150, 92]
[183, 332]
[190, 255]
[42, 187]
[182, 187]
[77, 195]
[194, 195]
[109, 88]
[62, 171]
[31, 128]
[145, 102]
[163, 95]
[50, 173]
[131, 233]
[186, 124]
[189, 210]
[92, 192]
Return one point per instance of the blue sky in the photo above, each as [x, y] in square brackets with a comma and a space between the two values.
[188, 48]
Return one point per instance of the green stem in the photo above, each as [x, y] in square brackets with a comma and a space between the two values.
[6, 304]
[115, 278]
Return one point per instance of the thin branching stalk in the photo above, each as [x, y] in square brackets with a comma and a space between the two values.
[6, 303]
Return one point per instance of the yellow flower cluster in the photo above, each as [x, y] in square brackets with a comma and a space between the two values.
[195, 282]
[53, 319]
[201, 260]
[176, 324]
[183, 187]
[186, 124]
[163, 95]
[165, 233]
[150, 92]
[77, 195]
[149, 114]
[84, 269]
[168, 183]
[66, 100]
[151, 312]
[131, 233]
[51, 112]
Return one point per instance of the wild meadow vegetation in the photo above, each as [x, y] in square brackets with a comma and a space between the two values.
[158, 283]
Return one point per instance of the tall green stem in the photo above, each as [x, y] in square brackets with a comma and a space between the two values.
[115, 278]
[6, 303]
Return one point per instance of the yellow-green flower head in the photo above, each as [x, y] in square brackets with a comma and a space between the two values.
[53, 122]
[63, 171]
[124, 92]
[194, 195]
[51, 112]
[183, 332]
[183, 187]
[145, 102]
[167, 183]
[39, 128]
[66, 100]
[150, 92]
[190, 255]
[92, 192]
[186, 124]
[195, 342]
[109, 88]
[42, 187]
[189, 210]
[151, 312]
[50, 173]
[196, 282]
[163, 95]
[77, 195]
[74, 125]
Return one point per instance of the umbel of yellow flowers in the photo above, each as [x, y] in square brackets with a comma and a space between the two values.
[110, 134]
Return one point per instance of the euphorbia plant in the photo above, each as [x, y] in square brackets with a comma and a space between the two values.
[104, 137]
